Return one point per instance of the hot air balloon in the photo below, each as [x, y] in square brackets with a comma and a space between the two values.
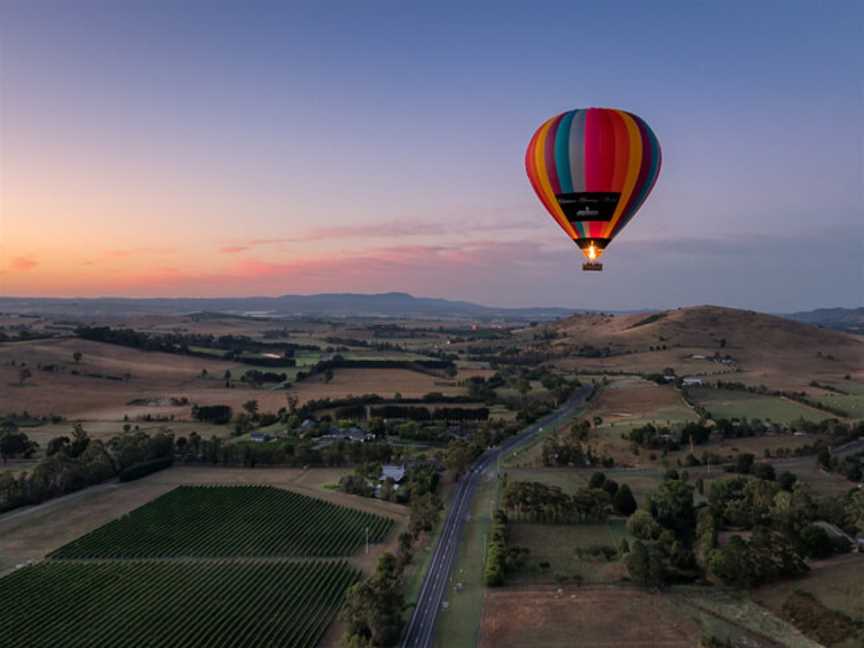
[592, 169]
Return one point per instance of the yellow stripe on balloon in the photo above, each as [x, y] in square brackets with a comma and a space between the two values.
[543, 176]
[633, 167]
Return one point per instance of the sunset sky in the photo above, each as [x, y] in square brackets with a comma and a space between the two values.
[247, 148]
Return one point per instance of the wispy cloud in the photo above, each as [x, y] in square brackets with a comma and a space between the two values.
[23, 264]
[794, 273]
[393, 229]
[142, 251]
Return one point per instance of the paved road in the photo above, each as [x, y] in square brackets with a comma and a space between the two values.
[421, 628]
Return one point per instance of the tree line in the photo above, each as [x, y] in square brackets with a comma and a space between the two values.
[76, 462]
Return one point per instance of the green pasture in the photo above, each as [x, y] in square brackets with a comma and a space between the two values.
[730, 404]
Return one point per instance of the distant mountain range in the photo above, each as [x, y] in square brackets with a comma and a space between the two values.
[841, 319]
[393, 304]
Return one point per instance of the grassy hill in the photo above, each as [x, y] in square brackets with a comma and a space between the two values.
[764, 348]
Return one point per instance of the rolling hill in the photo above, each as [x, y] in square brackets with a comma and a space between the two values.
[842, 319]
[764, 348]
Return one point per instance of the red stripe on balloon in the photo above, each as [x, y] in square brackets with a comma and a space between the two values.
[599, 156]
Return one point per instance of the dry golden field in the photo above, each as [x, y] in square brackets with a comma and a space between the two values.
[583, 616]
[157, 377]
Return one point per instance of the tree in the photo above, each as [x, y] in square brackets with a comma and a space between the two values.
[242, 424]
[388, 490]
[641, 525]
[645, 565]
[597, 480]
[855, 510]
[624, 503]
[706, 535]
[744, 463]
[816, 542]
[79, 443]
[767, 556]
[77, 357]
[55, 445]
[672, 507]
[356, 485]
[218, 414]
[787, 480]
[24, 374]
[611, 487]
[764, 471]
[328, 375]
[406, 546]
[732, 563]
[459, 456]
[424, 513]
[824, 458]
[14, 443]
[373, 608]
[251, 407]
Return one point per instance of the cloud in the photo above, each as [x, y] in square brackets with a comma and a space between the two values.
[124, 253]
[392, 229]
[772, 273]
[23, 264]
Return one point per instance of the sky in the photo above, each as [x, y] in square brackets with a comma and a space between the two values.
[253, 148]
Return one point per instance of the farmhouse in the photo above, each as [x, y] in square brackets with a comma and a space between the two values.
[391, 471]
[354, 433]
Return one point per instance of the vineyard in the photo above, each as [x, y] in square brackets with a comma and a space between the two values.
[231, 521]
[159, 603]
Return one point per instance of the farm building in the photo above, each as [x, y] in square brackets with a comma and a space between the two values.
[692, 381]
[390, 471]
[353, 433]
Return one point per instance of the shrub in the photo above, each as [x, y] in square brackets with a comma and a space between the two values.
[624, 502]
[144, 468]
[218, 414]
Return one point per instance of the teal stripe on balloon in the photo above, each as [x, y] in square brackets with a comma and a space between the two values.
[562, 153]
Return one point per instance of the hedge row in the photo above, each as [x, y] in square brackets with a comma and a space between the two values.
[139, 470]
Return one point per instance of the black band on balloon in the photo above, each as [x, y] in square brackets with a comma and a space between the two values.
[584, 243]
[588, 206]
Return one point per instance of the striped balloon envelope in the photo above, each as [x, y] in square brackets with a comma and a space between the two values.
[592, 169]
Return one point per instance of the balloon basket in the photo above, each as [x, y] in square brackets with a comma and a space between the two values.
[592, 266]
